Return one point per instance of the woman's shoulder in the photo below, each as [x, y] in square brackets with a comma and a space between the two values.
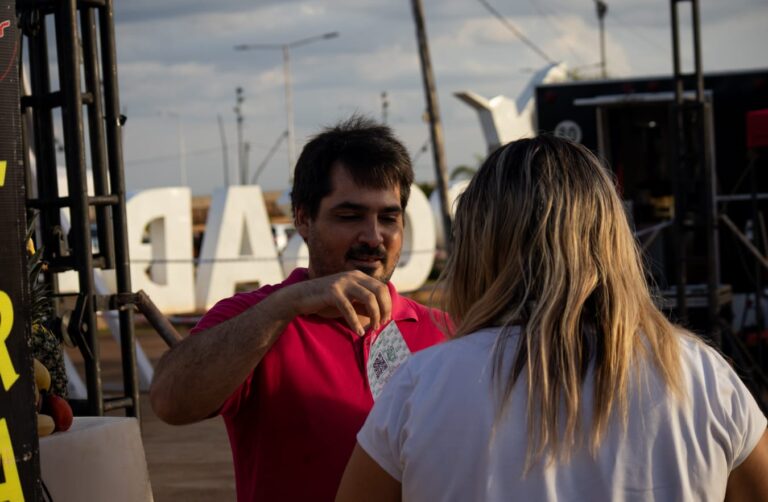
[473, 347]
[698, 354]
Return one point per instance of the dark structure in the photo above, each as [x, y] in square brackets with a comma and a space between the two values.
[91, 122]
[19, 458]
[96, 234]
[631, 124]
[679, 148]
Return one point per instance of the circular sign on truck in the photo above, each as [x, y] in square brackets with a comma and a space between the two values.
[568, 129]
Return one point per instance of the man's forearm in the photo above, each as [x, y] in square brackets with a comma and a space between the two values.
[194, 379]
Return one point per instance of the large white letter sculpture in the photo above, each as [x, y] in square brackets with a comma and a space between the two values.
[237, 247]
[295, 254]
[418, 244]
[455, 188]
[160, 243]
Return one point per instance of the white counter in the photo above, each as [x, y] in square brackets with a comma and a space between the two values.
[97, 459]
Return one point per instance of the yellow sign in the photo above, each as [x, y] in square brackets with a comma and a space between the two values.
[10, 489]
[3, 165]
[7, 372]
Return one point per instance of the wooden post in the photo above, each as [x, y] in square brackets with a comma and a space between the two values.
[435, 126]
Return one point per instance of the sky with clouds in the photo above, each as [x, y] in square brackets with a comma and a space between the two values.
[178, 70]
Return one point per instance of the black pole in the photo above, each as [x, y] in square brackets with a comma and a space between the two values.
[239, 115]
[19, 448]
[114, 126]
[104, 228]
[602, 9]
[679, 154]
[79, 236]
[757, 239]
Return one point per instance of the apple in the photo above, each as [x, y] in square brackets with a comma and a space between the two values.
[58, 408]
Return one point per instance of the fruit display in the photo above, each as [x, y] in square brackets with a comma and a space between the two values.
[53, 412]
[45, 342]
[58, 408]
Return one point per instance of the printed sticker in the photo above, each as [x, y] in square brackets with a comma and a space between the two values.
[388, 352]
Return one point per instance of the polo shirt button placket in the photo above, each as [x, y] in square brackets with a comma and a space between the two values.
[366, 347]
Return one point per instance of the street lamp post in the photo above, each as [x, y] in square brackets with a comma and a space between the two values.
[286, 48]
[242, 167]
[602, 9]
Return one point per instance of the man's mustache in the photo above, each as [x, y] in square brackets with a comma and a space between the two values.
[364, 251]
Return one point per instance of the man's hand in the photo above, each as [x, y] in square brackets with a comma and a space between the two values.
[350, 295]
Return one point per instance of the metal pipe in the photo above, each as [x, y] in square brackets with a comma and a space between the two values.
[758, 235]
[705, 134]
[114, 123]
[60, 202]
[744, 240]
[157, 320]
[602, 9]
[697, 64]
[679, 153]
[742, 197]
[239, 116]
[44, 140]
[68, 51]
[104, 231]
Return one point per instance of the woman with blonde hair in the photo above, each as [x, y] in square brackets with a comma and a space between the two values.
[563, 380]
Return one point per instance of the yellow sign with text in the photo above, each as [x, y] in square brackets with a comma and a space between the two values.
[3, 166]
[10, 489]
[7, 372]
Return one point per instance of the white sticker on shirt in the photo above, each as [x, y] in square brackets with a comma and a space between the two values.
[387, 353]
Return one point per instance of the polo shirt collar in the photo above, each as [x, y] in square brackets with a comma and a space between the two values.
[298, 275]
[402, 310]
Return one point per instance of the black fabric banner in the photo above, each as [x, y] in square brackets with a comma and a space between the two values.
[19, 451]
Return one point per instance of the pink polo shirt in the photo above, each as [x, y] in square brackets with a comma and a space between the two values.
[292, 423]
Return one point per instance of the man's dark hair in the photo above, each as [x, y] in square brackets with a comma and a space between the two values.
[369, 152]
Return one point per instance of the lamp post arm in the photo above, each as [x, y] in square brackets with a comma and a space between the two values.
[309, 40]
[248, 47]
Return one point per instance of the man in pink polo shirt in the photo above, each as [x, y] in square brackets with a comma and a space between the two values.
[286, 365]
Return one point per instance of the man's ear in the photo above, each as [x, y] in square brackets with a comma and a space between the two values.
[301, 222]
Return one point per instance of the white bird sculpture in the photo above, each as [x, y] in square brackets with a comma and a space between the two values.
[503, 119]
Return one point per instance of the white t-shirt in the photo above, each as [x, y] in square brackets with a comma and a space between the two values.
[431, 430]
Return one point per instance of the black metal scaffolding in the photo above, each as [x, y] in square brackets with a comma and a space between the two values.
[694, 175]
[87, 75]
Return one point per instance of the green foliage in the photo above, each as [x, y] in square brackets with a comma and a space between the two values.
[41, 306]
[462, 172]
[43, 343]
[427, 188]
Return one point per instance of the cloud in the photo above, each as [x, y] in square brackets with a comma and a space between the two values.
[178, 56]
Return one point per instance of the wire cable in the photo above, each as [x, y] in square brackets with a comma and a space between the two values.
[550, 17]
[519, 34]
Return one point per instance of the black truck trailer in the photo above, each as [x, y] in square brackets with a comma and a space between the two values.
[631, 124]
